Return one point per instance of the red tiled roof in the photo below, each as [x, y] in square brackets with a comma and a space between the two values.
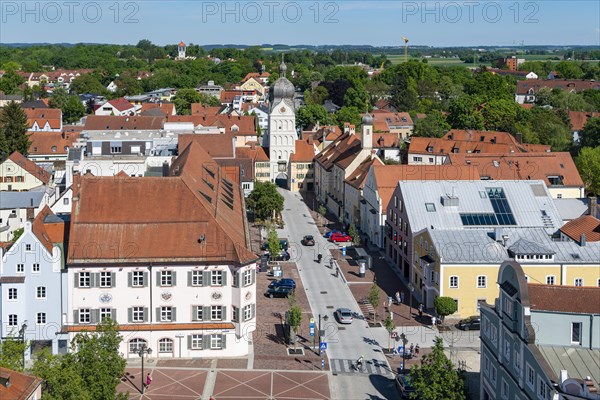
[358, 177]
[42, 143]
[217, 145]
[304, 152]
[447, 144]
[567, 299]
[256, 75]
[522, 166]
[48, 233]
[579, 119]
[384, 120]
[385, 140]
[584, 225]
[166, 108]
[181, 44]
[202, 110]
[256, 153]
[196, 202]
[30, 167]
[115, 123]
[52, 116]
[121, 104]
[22, 386]
[341, 151]
[576, 85]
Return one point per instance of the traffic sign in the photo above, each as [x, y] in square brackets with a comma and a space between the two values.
[322, 363]
[312, 327]
[323, 346]
[344, 251]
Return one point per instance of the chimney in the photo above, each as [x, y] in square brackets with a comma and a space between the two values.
[252, 146]
[165, 169]
[5, 379]
[582, 241]
[593, 206]
[498, 234]
[519, 137]
[310, 141]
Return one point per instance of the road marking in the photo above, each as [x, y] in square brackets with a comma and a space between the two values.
[345, 366]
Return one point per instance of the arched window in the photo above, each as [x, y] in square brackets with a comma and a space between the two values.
[165, 345]
[136, 343]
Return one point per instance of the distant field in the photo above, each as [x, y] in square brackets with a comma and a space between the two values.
[444, 62]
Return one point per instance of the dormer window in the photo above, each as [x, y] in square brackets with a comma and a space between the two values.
[430, 149]
[555, 180]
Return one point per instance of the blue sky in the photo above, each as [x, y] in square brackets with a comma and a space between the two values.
[432, 23]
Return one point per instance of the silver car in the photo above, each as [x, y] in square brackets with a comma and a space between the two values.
[343, 315]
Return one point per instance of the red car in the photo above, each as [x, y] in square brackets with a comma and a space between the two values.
[340, 237]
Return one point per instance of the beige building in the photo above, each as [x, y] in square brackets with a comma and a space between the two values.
[17, 173]
[353, 191]
[301, 174]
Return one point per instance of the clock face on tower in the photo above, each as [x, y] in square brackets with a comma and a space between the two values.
[282, 110]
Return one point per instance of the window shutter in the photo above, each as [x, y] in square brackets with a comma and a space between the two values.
[223, 341]
[93, 280]
[224, 278]
[174, 314]
[236, 314]
[189, 339]
[174, 278]
[236, 279]
[130, 279]
[252, 310]
[206, 314]
[194, 313]
[146, 314]
[146, 279]
[76, 283]
[95, 316]
[75, 316]
[223, 313]
[130, 315]
[206, 342]
[157, 314]
[113, 279]
[253, 274]
[189, 275]
[113, 314]
[157, 278]
[205, 278]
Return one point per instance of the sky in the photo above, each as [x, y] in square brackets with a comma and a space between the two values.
[312, 22]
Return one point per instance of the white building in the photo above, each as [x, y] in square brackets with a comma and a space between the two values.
[282, 127]
[16, 208]
[182, 280]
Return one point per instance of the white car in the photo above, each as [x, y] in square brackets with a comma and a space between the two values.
[343, 315]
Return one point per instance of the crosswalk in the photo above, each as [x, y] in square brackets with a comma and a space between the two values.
[370, 367]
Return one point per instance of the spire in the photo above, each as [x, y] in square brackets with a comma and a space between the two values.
[282, 67]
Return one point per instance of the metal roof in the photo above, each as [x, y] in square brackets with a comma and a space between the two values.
[13, 200]
[579, 362]
[570, 209]
[472, 198]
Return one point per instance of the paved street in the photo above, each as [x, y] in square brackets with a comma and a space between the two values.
[326, 292]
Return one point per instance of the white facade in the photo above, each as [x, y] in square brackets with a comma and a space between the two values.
[178, 311]
[282, 137]
[109, 109]
[372, 223]
[426, 159]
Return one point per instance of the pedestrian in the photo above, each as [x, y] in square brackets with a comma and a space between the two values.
[417, 350]
[148, 380]
[389, 301]
[398, 299]
[421, 310]
[412, 348]
[433, 321]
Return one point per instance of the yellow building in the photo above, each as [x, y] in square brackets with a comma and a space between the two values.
[17, 173]
[301, 172]
[253, 84]
[464, 264]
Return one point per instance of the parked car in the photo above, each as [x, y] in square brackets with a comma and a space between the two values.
[279, 291]
[404, 385]
[308, 240]
[343, 315]
[469, 324]
[331, 232]
[283, 242]
[340, 237]
[283, 282]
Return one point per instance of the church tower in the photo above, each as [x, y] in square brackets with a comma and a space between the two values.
[181, 51]
[282, 126]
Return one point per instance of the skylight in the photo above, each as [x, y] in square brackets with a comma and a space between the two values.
[430, 207]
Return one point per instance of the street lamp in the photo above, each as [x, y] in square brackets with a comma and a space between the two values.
[143, 349]
[22, 337]
[404, 343]
[411, 289]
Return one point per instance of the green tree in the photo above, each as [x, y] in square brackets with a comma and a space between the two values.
[17, 234]
[348, 114]
[549, 128]
[294, 317]
[389, 325]
[11, 82]
[356, 97]
[61, 376]
[73, 110]
[274, 244]
[353, 232]
[97, 358]
[311, 114]
[317, 96]
[501, 115]
[59, 98]
[465, 114]
[265, 200]
[588, 164]
[322, 213]
[374, 296]
[184, 99]
[13, 129]
[404, 94]
[444, 306]
[127, 86]
[436, 378]
[433, 125]
[11, 352]
[87, 83]
[590, 134]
